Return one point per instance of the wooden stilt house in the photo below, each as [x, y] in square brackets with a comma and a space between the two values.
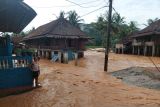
[124, 46]
[58, 40]
[147, 41]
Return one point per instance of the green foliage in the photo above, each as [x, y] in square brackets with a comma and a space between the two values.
[74, 19]
[93, 46]
[62, 14]
[93, 33]
[119, 28]
[19, 51]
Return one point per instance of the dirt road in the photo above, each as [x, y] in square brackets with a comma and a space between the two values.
[65, 85]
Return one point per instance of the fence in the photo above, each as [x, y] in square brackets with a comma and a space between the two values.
[14, 72]
[14, 61]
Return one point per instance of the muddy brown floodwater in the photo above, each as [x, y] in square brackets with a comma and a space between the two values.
[65, 85]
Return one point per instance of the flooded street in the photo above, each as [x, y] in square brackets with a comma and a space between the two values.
[87, 85]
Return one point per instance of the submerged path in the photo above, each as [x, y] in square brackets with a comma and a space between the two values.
[65, 85]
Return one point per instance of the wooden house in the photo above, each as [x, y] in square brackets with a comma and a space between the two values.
[147, 41]
[124, 46]
[58, 40]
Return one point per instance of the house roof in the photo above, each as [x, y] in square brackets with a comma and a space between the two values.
[16, 39]
[60, 28]
[153, 29]
[15, 15]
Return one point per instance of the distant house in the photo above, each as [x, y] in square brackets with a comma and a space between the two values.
[58, 40]
[16, 40]
[147, 41]
[124, 45]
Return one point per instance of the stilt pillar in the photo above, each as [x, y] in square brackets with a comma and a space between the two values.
[59, 56]
[42, 53]
[157, 51]
[47, 54]
[138, 50]
[122, 50]
[133, 50]
[145, 50]
[115, 50]
[119, 51]
[38, 52]
[153, 50]
[65, 58]
[76, 58]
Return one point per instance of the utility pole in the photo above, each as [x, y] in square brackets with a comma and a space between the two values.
[108, 36]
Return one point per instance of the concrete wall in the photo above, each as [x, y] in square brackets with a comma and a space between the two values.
[17, 77]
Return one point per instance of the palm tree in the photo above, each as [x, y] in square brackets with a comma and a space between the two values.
[62, 14]
[74, 19]
[133, 26]
[117, 22]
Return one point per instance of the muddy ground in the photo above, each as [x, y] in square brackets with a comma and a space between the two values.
[64, 85]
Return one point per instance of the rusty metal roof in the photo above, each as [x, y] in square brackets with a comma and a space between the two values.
[153, 29]
[60, 28]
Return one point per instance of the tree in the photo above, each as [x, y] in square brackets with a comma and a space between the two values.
[74, 19]
[119, 27]
[117, 22]
[62, 14]
[150, 21]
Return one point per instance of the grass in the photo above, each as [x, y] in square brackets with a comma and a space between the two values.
[94, 47]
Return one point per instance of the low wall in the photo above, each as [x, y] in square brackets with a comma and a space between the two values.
[15, 77]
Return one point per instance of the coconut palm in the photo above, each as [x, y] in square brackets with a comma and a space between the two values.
[74, 19]
[62, 14]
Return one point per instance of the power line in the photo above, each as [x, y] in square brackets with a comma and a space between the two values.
[69, 5]
[80, 5]
[93, 11]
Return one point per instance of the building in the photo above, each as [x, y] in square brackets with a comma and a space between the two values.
[15, 74]
[147, 41]
[124, 46]
[58, 40]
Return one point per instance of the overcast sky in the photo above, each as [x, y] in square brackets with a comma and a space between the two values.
[132, 10]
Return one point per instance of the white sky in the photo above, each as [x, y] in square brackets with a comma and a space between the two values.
[132, 10]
